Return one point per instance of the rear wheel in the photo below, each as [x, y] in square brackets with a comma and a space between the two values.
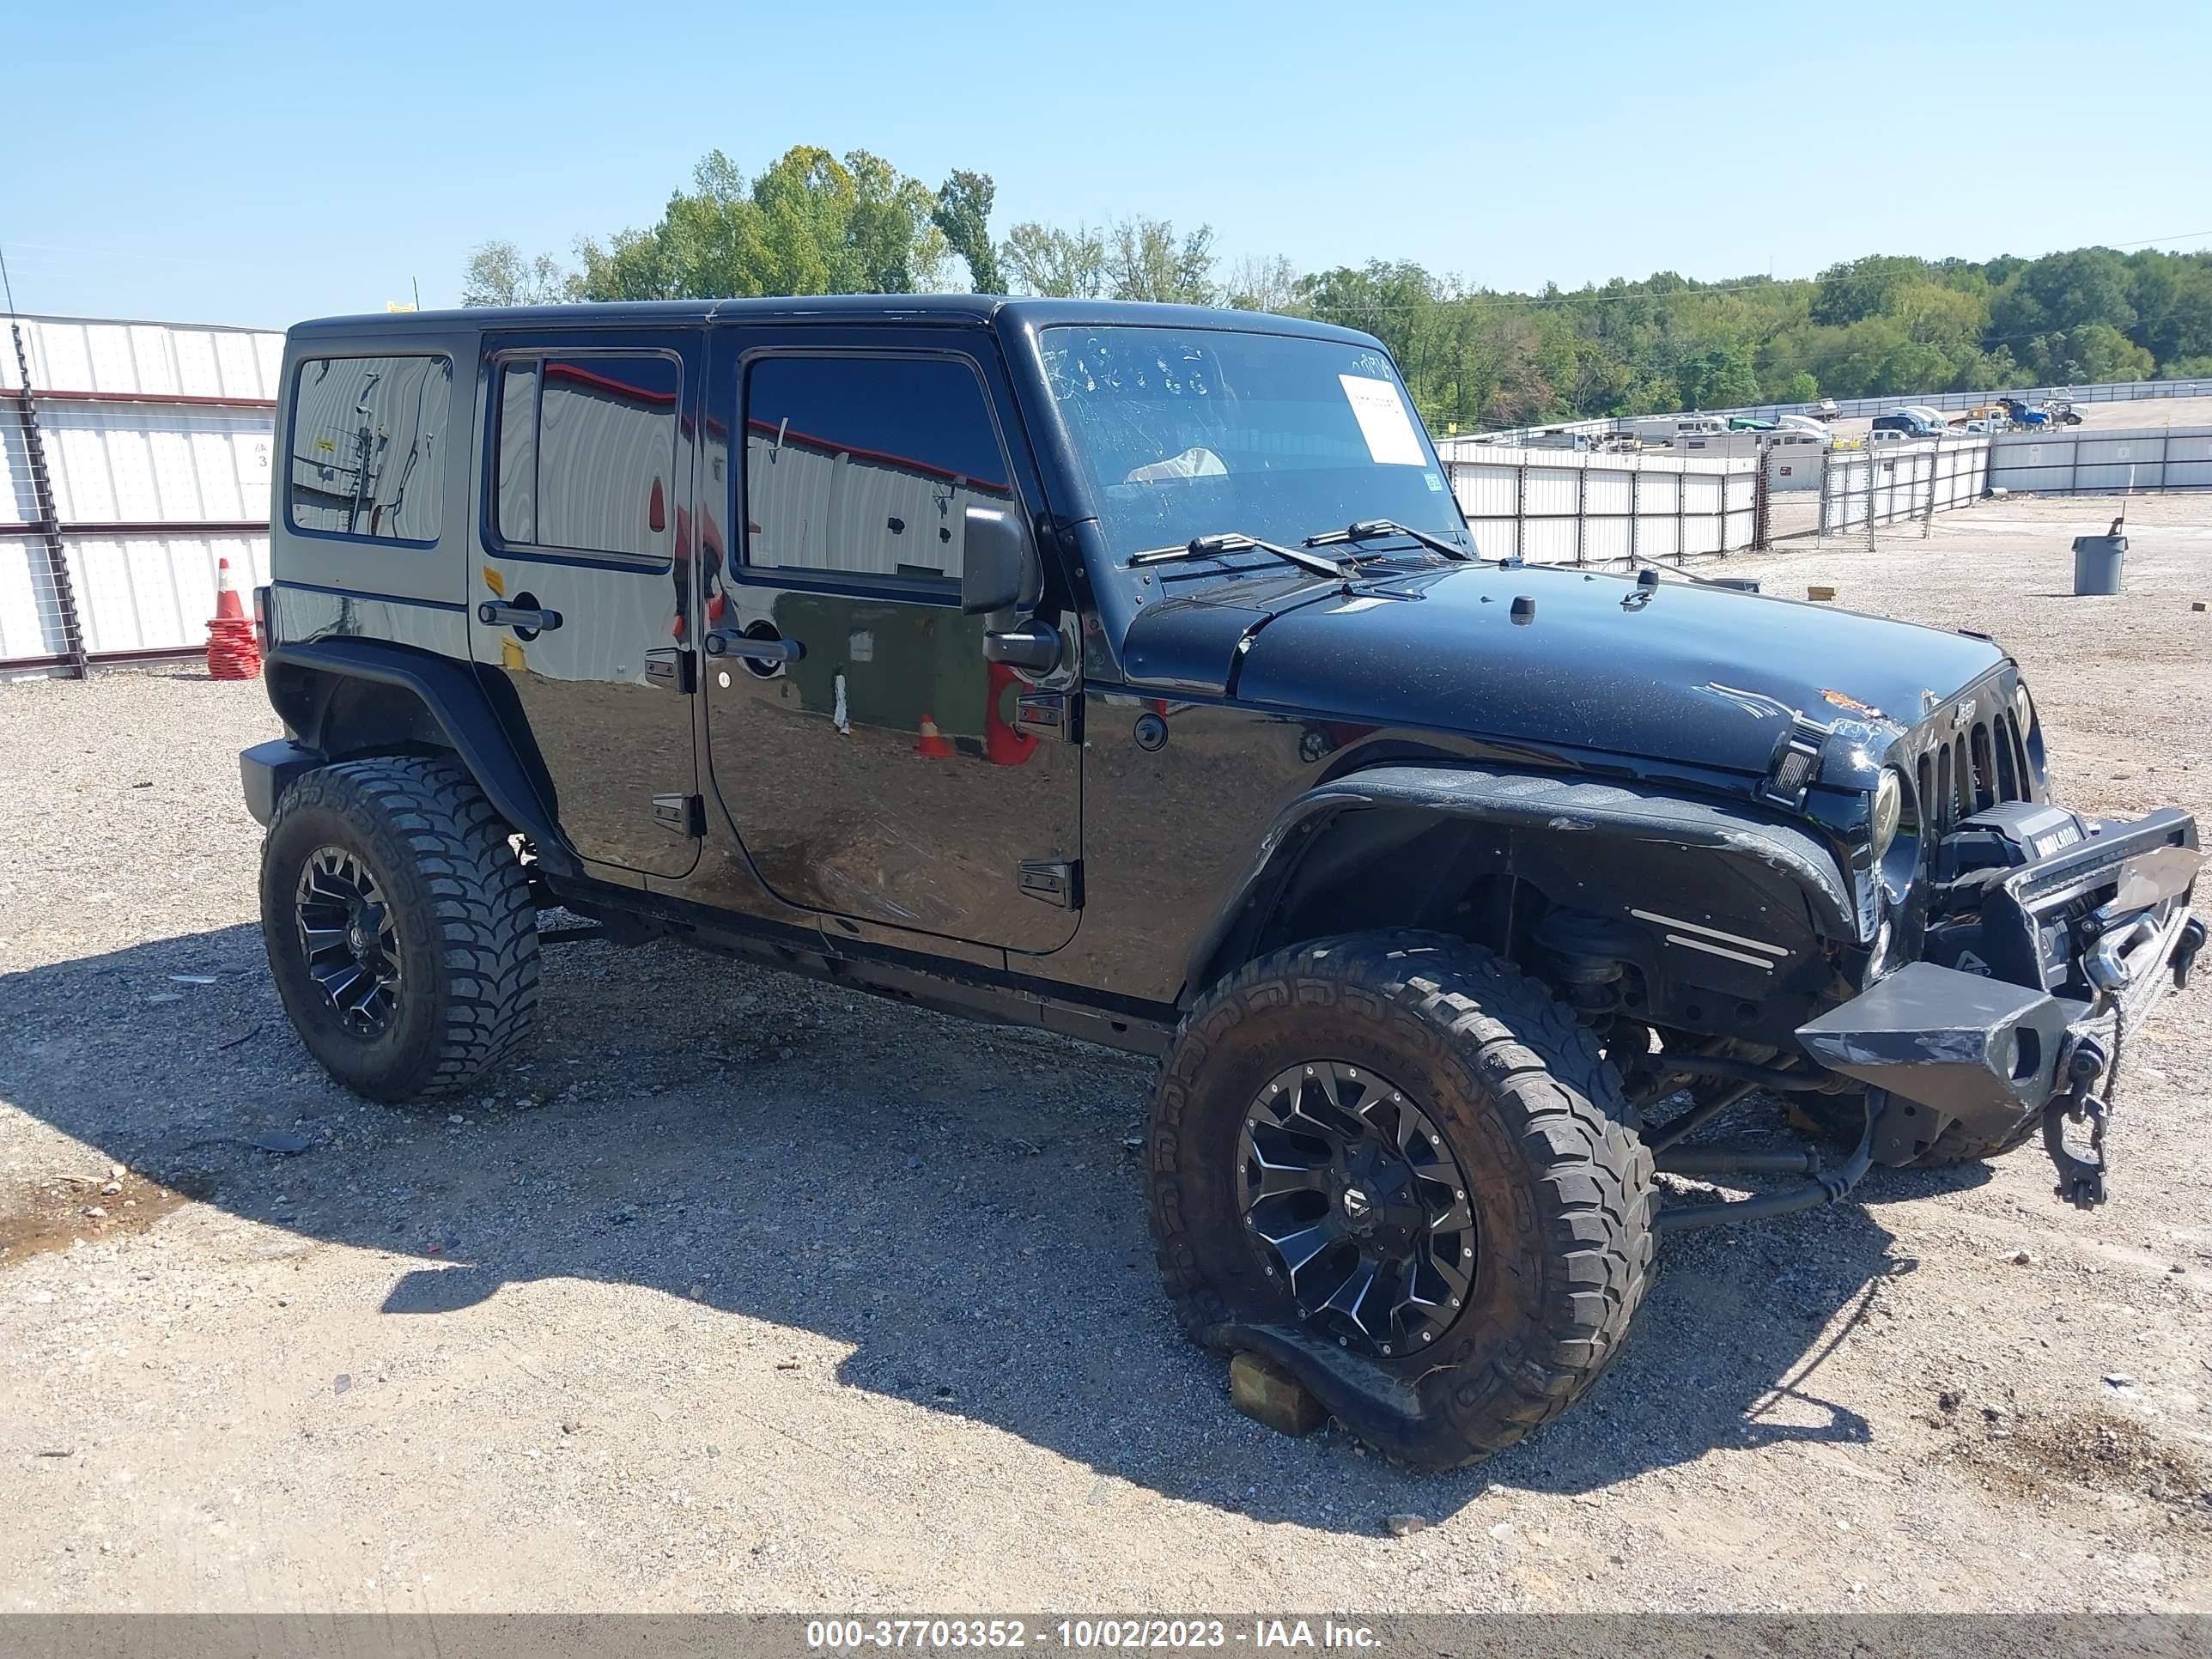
[1406, 1149]
[399, 925]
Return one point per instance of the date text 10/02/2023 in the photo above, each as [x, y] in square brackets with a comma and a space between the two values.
[1088, 1635]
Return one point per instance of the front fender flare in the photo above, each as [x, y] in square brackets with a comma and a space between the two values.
[1556, 831]
[458, 701]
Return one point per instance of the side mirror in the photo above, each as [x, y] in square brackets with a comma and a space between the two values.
[999, 565]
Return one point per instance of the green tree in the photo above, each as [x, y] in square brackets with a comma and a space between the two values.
[1847, 294]
[815, 223]
[964, 214]
[2094, 353]
[1145, 260]
[498, 275]
[1059, 264]
[2064, 291]
[810, 223]
[1264, 285]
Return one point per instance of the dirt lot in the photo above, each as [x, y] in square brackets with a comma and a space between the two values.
[743, 1294]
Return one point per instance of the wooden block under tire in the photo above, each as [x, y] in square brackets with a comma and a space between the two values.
[1267, 1394]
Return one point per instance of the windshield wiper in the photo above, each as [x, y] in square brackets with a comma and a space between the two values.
[1212, 547]
[1371, 530]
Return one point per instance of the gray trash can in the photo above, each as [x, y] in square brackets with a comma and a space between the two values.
[2097, 563]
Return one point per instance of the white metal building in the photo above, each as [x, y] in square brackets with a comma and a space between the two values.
[156, 444]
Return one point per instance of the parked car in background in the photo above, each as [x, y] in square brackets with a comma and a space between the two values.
[1904, 423]
[1671, 429]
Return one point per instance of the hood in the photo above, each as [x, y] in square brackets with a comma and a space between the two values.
[1697, 675]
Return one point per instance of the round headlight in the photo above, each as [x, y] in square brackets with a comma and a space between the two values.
[1888, 811]
[2025, 708]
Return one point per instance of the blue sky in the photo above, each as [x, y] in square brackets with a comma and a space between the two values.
[256, 164]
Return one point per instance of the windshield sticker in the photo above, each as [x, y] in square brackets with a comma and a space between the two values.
[1436, 484]
[1383, 421]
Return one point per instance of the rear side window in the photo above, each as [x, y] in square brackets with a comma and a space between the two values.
[584, 453]
[368, 451]
[864, 467]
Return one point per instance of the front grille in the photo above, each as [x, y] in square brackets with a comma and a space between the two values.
[1975, 768]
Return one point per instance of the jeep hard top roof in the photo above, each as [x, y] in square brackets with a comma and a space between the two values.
[982, 309]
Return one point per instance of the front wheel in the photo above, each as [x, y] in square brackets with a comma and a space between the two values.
[399, 925]
[1409, 1151]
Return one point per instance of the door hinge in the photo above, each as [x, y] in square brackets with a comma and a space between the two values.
[1052, 714]
[673, 668]
[682, 815]
[1059, 882]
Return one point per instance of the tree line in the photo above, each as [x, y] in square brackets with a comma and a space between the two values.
[812, 222]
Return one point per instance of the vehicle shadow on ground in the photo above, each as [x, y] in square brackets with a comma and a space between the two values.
[962, 1204]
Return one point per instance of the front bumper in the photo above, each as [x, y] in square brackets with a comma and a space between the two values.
[2075, 946]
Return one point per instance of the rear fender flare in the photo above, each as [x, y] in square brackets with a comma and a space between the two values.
[1607, 847]
[299, 675]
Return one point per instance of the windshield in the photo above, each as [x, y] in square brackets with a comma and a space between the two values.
[1187, 432]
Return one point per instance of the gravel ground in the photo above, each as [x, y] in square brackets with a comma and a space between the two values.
[740, 1293]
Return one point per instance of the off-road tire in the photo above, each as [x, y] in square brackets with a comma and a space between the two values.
[462, 909]
[1839, 1118]
[1955, 1146]
[1559, 1181]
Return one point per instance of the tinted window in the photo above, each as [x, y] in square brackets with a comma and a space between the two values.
[516, 485]
[864, 466]
[368, 446]
[586, 453]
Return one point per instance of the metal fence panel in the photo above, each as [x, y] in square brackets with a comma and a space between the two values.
[139, 592]
[1553, 507]
[158, 445]
[2072, 462]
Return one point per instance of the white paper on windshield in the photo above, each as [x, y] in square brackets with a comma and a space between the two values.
[1383, 420]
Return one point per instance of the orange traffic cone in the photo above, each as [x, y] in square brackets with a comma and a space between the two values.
[931, 745]
[232, 653]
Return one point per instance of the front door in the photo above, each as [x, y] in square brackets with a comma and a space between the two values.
[581, 591]
[873, 763]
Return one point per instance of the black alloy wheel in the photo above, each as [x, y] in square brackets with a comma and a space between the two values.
[1359, 1205]
[350, 938]
[401, 928]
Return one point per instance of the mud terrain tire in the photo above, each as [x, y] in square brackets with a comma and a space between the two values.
[1558, 1179]
[464, 930]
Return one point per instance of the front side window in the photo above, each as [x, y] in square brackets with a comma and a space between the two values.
[583, 458]
[368, 451]
[864, 467]
[1201, 432]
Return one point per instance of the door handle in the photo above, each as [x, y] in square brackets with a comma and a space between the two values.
[493, 613]
[739, 645]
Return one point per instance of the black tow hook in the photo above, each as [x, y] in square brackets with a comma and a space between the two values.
[2184, 951]
[2081, 1180]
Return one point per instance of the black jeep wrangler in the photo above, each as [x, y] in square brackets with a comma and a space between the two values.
[1130, 670]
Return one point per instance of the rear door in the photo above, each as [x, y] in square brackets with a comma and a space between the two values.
[581, 596]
